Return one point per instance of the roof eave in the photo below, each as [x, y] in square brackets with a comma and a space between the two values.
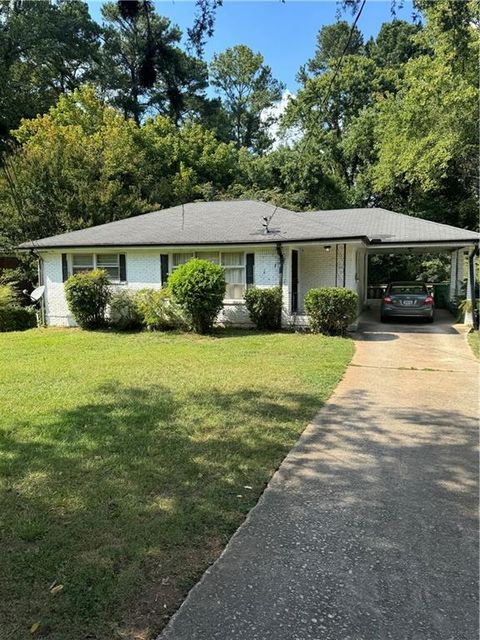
[44, 247]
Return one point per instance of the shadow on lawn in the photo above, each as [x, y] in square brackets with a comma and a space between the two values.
[125, 500]
[133, 493]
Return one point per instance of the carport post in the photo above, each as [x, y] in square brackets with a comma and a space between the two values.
[471, 273]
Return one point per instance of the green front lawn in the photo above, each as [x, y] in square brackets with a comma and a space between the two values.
[128, 460]
[474, 342]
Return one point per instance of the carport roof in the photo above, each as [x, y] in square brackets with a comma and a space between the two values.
[240, 222]
[381, 226]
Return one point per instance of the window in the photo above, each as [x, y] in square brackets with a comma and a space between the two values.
[180, 258]
[232, 262]
[82, 262]
[109, 262]
[412, 289]
[234, 265]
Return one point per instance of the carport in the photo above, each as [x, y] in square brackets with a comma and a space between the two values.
[381, 232]
[458, 255]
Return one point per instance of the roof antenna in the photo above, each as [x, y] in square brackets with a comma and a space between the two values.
[267, 220]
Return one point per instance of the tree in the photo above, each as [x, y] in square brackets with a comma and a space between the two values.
[331, 42]
[46, 48]
[247, 89]
[395, 44]
[427, 135]
[84, 163]
[78, 165]
[144, 70]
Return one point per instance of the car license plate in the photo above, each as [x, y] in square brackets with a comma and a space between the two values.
[408, 303]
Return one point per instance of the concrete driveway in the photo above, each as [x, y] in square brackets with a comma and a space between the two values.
[369, 528]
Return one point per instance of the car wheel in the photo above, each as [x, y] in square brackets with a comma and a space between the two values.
[383, 318]
[430, 320]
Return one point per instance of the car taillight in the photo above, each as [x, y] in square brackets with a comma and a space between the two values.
[387, 299]
[428, 300]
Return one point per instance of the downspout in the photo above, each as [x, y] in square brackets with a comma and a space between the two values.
[471, 266]
[40, 282]
[281, 257]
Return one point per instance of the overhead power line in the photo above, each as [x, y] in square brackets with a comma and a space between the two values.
[340, 60]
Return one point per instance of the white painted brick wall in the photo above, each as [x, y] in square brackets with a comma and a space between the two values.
[267, 264]
[56, 310]
[316, 268]
[320, 268]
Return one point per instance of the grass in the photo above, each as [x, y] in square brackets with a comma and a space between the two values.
[128, 460]
[474, 342]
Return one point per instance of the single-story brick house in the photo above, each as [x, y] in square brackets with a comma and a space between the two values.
[257, 244]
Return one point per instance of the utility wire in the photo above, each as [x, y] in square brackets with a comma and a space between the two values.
[340, 60]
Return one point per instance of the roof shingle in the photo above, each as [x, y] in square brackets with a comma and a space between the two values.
[240, 222]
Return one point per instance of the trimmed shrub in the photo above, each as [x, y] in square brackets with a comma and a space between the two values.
[158, 312]
[264, 307]
[88, 295]
[13, 317]
[198, 286]
[123, 311]
[331, 310]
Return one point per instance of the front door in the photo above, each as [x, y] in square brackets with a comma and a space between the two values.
[294, 281]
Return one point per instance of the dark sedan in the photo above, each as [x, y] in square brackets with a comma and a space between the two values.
[407, 300]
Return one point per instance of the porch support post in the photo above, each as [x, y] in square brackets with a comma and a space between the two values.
[456, 273]
[471, 317]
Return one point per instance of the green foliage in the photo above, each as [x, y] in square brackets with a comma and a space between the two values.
[474, 342]
[46, 49]
[265, 307]
[421, 137]
[247, 88]
[123, 311]
[385, 268]
[145, 68]
[83, 164]
[331, 309]
[158, 312]
[331, 42]
[198, 286]
[7, 296]
[88, 295]
[13, 317]
[394, 126]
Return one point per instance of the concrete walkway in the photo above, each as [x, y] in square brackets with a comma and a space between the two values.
[368, 530]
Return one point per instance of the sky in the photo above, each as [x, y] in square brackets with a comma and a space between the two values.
[284, 32]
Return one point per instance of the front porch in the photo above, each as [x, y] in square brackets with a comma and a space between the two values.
[346, 265]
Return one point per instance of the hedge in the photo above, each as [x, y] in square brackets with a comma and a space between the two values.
[198, 286]
[264, 307]
[331, 309]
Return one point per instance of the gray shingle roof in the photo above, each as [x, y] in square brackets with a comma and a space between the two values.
[240, 222]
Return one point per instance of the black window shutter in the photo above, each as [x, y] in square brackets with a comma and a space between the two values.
[123, 267]
[164, 268]
[250, 268]
[64, 267]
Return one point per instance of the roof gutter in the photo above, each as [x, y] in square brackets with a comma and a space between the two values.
[184, 245]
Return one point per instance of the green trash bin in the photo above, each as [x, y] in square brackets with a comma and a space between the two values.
[441, 295]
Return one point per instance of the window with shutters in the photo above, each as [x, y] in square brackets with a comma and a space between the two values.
[109, 262]
[232, 261]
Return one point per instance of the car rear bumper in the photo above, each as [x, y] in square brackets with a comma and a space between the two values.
[413, 312]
